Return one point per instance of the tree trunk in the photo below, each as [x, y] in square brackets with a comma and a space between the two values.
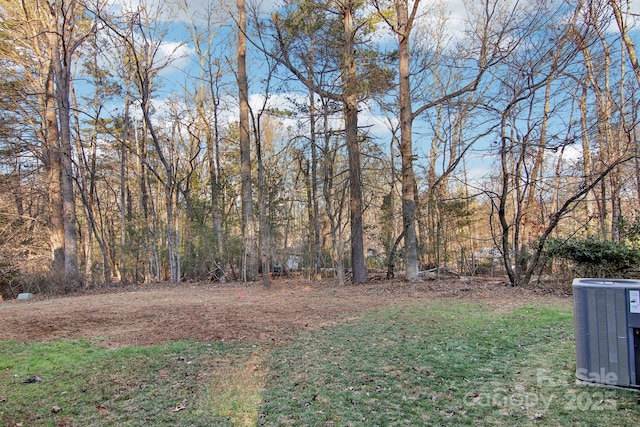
[317, 247]
[249, 269]
[62, 77]
[146, 225]
[586, 151]
[213, 155]
[172, 237]
[123, 187]
[68, 194]
[406, 147]
[349, 83]
[54, 171]
[333, 200]
[264, 236]
[626, 39]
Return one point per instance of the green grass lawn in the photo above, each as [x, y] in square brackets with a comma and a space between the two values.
[427, 363]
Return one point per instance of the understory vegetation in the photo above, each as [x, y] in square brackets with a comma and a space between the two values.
[596, 257]
[423, 363]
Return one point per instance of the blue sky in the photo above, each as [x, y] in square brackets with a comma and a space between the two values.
[178, 46]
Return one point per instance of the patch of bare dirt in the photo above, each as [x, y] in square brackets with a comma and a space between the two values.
[152, 314]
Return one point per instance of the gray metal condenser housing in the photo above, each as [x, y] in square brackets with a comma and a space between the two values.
[607, 331]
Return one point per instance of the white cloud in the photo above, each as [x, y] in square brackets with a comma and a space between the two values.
[375, 125]
[176, 55]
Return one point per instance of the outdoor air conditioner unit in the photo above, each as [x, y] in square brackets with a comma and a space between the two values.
[607, 331]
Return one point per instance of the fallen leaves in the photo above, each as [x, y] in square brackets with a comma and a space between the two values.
[102, 409]
[180, 406]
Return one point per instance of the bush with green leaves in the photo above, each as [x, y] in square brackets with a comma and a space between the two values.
[596, 258]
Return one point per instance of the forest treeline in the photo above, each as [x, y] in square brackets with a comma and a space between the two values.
[170, 141]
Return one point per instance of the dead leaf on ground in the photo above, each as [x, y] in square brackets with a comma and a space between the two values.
[182, 405]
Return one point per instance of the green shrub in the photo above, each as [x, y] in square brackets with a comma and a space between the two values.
[596, 258]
